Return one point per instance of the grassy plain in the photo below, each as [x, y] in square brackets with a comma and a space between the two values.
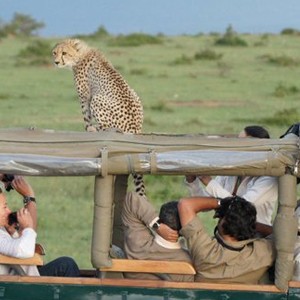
[247, 85]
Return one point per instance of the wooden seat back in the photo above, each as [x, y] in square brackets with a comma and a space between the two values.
[150, 266]
[35, 260]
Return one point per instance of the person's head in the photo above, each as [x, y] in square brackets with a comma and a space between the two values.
[254, 131]
[237, 218]
[4, 210]
[169, 215]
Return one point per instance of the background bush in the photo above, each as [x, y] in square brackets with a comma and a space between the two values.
[134, 39]
[208, 54]
[281, 60]
[282, 90]
[285, 117]
[231, 38]
[290, 31]
[21, 25]
[35, 54]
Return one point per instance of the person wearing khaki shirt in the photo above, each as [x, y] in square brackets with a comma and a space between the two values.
[141, 242]
[234, 254]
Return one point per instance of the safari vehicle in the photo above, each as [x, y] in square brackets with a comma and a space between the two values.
[108, 154]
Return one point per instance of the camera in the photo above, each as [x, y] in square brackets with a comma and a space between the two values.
[12, 218]
[8, 178]
[221, 211]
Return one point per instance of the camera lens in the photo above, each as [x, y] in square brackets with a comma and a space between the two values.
[8, 178]
[12, 218]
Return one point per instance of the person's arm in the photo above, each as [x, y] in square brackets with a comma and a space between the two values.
[205, 179]
[21, 247]
[218, 187]
[137, 209]
[24, 188]
[194, 186]
[264, 229]
[189, 207]
[138, 212]
[167, 233]
[264, 187]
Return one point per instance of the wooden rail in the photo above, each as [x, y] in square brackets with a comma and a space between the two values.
[37, 259]
[149, 266]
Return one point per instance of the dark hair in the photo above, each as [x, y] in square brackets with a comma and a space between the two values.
[239, 218]
[169, 215]
[257, 132]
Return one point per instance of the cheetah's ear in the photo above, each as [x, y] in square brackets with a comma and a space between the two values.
[79, 46]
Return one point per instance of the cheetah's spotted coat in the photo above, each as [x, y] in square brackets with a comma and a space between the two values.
[106, 99]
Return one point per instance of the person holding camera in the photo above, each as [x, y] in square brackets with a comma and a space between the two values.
[235, 254]
[262, 191]
[18, 233]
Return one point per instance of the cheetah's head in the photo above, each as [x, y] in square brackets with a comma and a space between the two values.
[68, 53]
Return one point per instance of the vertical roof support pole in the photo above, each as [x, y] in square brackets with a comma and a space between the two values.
[285, 231]
[102, 223]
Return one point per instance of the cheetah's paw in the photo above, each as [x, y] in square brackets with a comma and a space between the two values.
[91, 129]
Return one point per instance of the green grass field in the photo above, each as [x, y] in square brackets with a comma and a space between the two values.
[257, 84]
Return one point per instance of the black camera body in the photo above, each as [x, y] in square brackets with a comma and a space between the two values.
[12, 218]
[8, 178]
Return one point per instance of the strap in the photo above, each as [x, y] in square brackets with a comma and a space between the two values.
[239, 180]
[220, 241]
[27, 199]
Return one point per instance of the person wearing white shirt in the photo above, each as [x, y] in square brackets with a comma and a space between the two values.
[20, 242]
[261, 191]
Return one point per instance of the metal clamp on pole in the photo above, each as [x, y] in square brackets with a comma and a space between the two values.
[104, 159]
[153, 164]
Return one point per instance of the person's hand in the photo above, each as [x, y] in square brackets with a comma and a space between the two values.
[11, 229]
[24, 218]
[22, 186]
[190, 178]
[205, 179]
[222, 209]
[167, 233]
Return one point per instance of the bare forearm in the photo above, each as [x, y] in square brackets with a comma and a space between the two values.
[23, 188]
[189, 207]
[31, 206]
[264, 229]
[205, 179]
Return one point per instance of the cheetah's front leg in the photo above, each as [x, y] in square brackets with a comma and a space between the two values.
[91, 128]
[85, 99]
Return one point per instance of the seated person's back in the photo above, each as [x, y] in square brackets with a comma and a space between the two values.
[234, 255]
[140, 242]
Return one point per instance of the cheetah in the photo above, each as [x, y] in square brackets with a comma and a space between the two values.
[107, 101]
